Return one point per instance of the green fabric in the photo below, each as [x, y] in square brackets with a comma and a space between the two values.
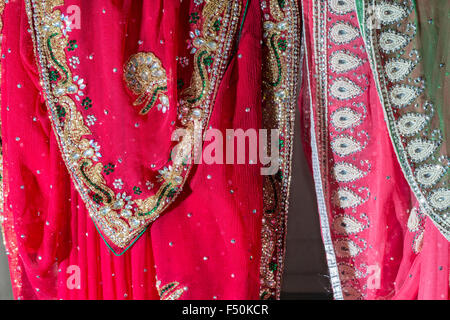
[433, 22]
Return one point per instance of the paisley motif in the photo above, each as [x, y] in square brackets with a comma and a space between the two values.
[390, 13]
[413, 220]
[346, 198]
[391, 41]
[345, 118]
[343, 61]
[346, 224]
[343, 32]
[411, 123]
[429, 174]
[420, 149]
[346, 248]
[340, 7]
[403, 95]
[344, 145]
[440, 199]
[346, 172]
[398, 69]
[344, 89]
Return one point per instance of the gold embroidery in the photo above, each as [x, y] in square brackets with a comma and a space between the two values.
[146, 77]
[169, 291]
[280, 72]
[113, 213]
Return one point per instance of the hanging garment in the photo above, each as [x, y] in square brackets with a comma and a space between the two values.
[373, 101]
[99, 204]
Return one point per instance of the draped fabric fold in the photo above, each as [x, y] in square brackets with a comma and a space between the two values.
[114, 116]
[373, 101]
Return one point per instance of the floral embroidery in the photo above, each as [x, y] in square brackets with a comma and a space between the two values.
[119, 217]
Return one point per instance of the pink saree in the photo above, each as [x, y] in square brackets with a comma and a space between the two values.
[101, 202]
[88, 109]
[378, 156]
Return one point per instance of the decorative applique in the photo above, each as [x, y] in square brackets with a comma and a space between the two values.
[346, 172]
[346, 225]
[343, 32]
[411, 123]
[390, 13]
[391, 41]
[398, 69]
[420, 149]
[119, 217]
[344, 145]
[346, 248]
[344, 89]
[345, 118]
[170, 291]
[346, 198]
[429, 175]
[146, 77]
[341, 7]
[344, 61]
[403, 95]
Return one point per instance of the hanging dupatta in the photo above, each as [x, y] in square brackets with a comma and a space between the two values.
[379, 186]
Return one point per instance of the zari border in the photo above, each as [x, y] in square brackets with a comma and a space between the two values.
[282, 44]
[113, 225]
[365, 12]
[317, 165]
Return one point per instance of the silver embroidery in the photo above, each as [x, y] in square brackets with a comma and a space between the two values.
[428, 175]
[346, 198]
[413, 221]
[347, 172]
[389, 13]
[344, 89]
[391, 41]
[341, 6]
[402, 95]
[411, 123]
[343, 32]
[440, 199]
[345, 118]
[420, 149]
[344, 145]
[344, 61]
[346, 224]
[346, 248]
[398, 69]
